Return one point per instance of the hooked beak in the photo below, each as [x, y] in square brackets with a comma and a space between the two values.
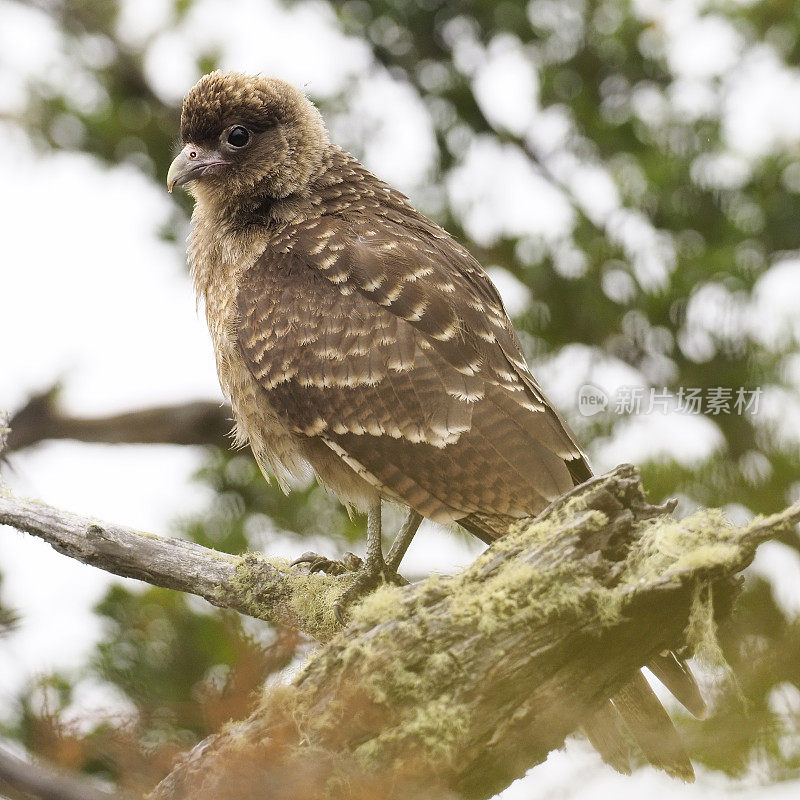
[190, 164]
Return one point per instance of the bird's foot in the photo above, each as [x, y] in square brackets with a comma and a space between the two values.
[317, 563]
[367, 578]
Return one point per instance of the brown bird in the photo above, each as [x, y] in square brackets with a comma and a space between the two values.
[357, 338]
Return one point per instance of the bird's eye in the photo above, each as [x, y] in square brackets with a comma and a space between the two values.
[239, 136]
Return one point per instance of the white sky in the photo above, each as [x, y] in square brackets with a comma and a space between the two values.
[93, 297]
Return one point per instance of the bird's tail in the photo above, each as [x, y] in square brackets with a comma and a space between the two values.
[635, 708]
[651, 728]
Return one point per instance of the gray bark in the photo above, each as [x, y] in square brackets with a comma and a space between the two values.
[267, 589]
[454, 686]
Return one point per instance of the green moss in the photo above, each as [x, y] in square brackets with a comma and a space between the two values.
[704, 543]
[394, 668]
[526, 534]
[706, 539]
[709, 555]
[534, 592]
[378, 606]
[434, 728]
[313, 604]
[421, 688]
[701, 631]
[309, 596]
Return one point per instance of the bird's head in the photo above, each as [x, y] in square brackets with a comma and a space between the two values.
[247, 136]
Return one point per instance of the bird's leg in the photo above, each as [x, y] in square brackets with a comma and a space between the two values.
[403, 539]
[373, 570]
[374, 563]
[376, 569]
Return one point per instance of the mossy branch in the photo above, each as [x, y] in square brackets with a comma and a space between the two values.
[268, 589]
[453, 687]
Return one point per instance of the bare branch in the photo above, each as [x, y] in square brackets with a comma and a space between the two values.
[199, 422]
[267, 589]
[46, 782]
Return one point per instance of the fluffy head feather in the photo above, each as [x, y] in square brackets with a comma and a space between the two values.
[287, 135]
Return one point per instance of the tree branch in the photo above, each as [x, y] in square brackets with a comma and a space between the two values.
[46, 782]
[267, 589]
[451, 687]
[199, 422]
[454, 687]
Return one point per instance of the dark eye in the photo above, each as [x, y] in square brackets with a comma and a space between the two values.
[239, 136]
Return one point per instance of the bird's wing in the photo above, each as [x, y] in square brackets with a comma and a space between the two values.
[391, 345]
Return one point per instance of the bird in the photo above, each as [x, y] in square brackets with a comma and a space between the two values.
[357, 339]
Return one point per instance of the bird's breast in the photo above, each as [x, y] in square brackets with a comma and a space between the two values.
[217, 261]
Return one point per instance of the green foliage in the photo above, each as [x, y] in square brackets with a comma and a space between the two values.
[157, 649]
[247, 510]
[8, 618]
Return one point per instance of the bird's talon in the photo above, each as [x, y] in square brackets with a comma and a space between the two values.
[305, 558]
[338, 612]
[352, 562]
[318, 563]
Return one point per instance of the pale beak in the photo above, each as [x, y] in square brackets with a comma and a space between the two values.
[190, 164]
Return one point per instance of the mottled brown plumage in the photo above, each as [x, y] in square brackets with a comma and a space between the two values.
[353, 335]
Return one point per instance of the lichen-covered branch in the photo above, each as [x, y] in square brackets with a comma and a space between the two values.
[268, 589]
[454, 687]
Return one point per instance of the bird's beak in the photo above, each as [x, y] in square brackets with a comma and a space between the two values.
[190, 164]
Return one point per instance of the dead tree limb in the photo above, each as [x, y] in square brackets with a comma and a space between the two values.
[46, 782]
[199, 422]
[268, 589]
[454, 686]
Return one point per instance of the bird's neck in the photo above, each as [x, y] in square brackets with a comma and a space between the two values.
[262, 210]
[229, 234]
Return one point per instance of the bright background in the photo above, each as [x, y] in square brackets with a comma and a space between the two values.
[94, 295]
